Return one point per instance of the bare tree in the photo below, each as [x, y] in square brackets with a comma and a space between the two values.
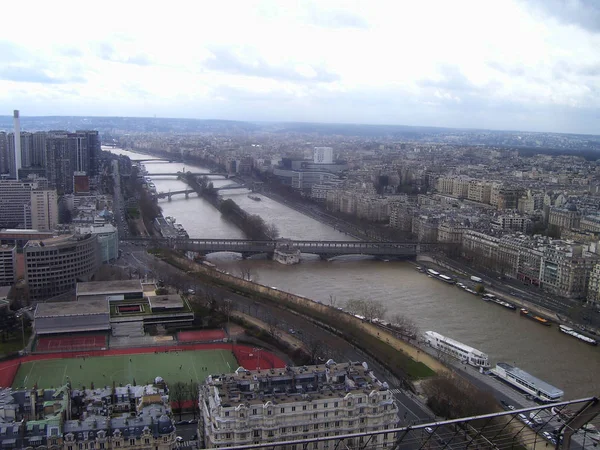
[368, 308]
[332, 300]
[315, 348]
[272, 231]
[246, 273]
[406, 327]
[179, 395]
[272, 322]
[193, 393]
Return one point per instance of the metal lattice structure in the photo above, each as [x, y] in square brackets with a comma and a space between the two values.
[565, 425]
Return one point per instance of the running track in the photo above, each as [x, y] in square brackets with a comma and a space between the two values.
[8, 369]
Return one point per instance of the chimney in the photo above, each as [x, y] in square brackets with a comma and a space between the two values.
[17, 124]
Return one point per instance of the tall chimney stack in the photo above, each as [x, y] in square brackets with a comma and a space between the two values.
[17, 142]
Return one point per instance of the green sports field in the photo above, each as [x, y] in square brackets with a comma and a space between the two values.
[122, 369]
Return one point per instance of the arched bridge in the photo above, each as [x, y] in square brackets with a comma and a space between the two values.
[152, 160]
[187, 192]
[325, 249]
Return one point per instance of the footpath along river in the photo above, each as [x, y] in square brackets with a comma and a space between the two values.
[504, 335]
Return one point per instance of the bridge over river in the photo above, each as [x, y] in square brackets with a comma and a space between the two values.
[325, 249]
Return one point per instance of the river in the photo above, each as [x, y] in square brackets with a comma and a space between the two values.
[504, 335]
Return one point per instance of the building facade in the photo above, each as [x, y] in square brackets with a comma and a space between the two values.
[255, 407]
[54, 266]
[44, 209]
[15, 203]
[8, 264]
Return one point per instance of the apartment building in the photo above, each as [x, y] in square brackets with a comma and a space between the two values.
[254, 407]
[564, 218]
[401, 216]
[565, 269]
[445, 185]
[54, 266]
[479, 191]
[511, 222]
[590, 223]
[132, 417]
[460, 187]
[8, 264]
[593, 295]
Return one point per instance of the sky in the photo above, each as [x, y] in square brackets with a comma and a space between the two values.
[530, 65]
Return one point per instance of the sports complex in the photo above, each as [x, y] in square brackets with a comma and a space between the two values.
[85, 359]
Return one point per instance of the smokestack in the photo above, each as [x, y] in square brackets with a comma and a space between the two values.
[17, 142]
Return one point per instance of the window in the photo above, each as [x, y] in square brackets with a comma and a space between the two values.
[256, 433]
[283, 430]
[326, 405]
[315, 406]
[361, 410]
[360, 400]
[303, 407]
[282, 410]
[337, 423]
[118, 443]
[226, 413]
[293, 408]
[316, 426]
[269, 412]
[92, 445]
[131, 441]
[315, 415]
[335, 405]
[227, 435]
[254, 411]
[146, 441]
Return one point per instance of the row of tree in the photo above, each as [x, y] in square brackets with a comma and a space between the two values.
[253, 226]
[184, 395]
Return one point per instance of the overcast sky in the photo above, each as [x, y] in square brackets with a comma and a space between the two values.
[498, 64]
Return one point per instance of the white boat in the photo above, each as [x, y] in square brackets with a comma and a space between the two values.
[526, 382]
[287, 257]
[457, 349]
[571, 332]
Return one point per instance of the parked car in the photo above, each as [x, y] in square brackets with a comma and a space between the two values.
[429, 430]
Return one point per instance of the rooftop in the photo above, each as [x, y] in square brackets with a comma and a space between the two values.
[108, 287]
[330, 380]
[170, 301]
[61, 309]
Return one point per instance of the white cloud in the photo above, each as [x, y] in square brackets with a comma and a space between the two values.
[469, 63]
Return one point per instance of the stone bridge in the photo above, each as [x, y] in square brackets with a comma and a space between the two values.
[187, 192]
[325, 249]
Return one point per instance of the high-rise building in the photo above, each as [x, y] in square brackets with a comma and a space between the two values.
[60, 166]
[44, 209]
[78, 146]
[323, 155]
[38, 157]
[3, 153]
[17, 143]
[26, 149]
[93, 150]
[15, 201]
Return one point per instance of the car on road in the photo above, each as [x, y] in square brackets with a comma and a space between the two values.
[179, 439]
[292, 331]
[429, 430]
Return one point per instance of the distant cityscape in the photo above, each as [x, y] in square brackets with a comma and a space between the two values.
[91, 269]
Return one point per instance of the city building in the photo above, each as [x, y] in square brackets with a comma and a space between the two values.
[54, 266]
[108, 240]
[259, 406]
[511, 222]
[8, 264]
[15, 203]
[60, 163]
[136, 417]
[479, 191]
[44, 209]
[4, 160]
[565, 269]
[323, 155]
[593, 295]
[564, 218]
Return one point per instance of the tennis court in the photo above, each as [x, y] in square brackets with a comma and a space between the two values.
[140, 368]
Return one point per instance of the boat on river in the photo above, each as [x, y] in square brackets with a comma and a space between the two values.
[571, 332]
[440, 276]
[492, 298]
[458, 350]
[525, 313]
[526, 382]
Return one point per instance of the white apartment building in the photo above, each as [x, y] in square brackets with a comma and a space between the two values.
[323, 155]
[479, 191]
[444, 185]
[460, 187]
[255, 407]
[565, 269]
[44, 209]
[8, 264]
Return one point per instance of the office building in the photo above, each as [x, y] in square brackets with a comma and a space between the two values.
[17, 143]
[15, 201]
[54, 266]
[323, 155]
[8, 264]
[258, 406]
[44, 209]
[93, 146]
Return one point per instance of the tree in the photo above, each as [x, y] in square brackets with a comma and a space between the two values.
[272, 231]
[246, 273]
[480, 289]
[315, 348]
[332, 300]
[179, 395]
[368, 308]
[406, 327]
[194, 391]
